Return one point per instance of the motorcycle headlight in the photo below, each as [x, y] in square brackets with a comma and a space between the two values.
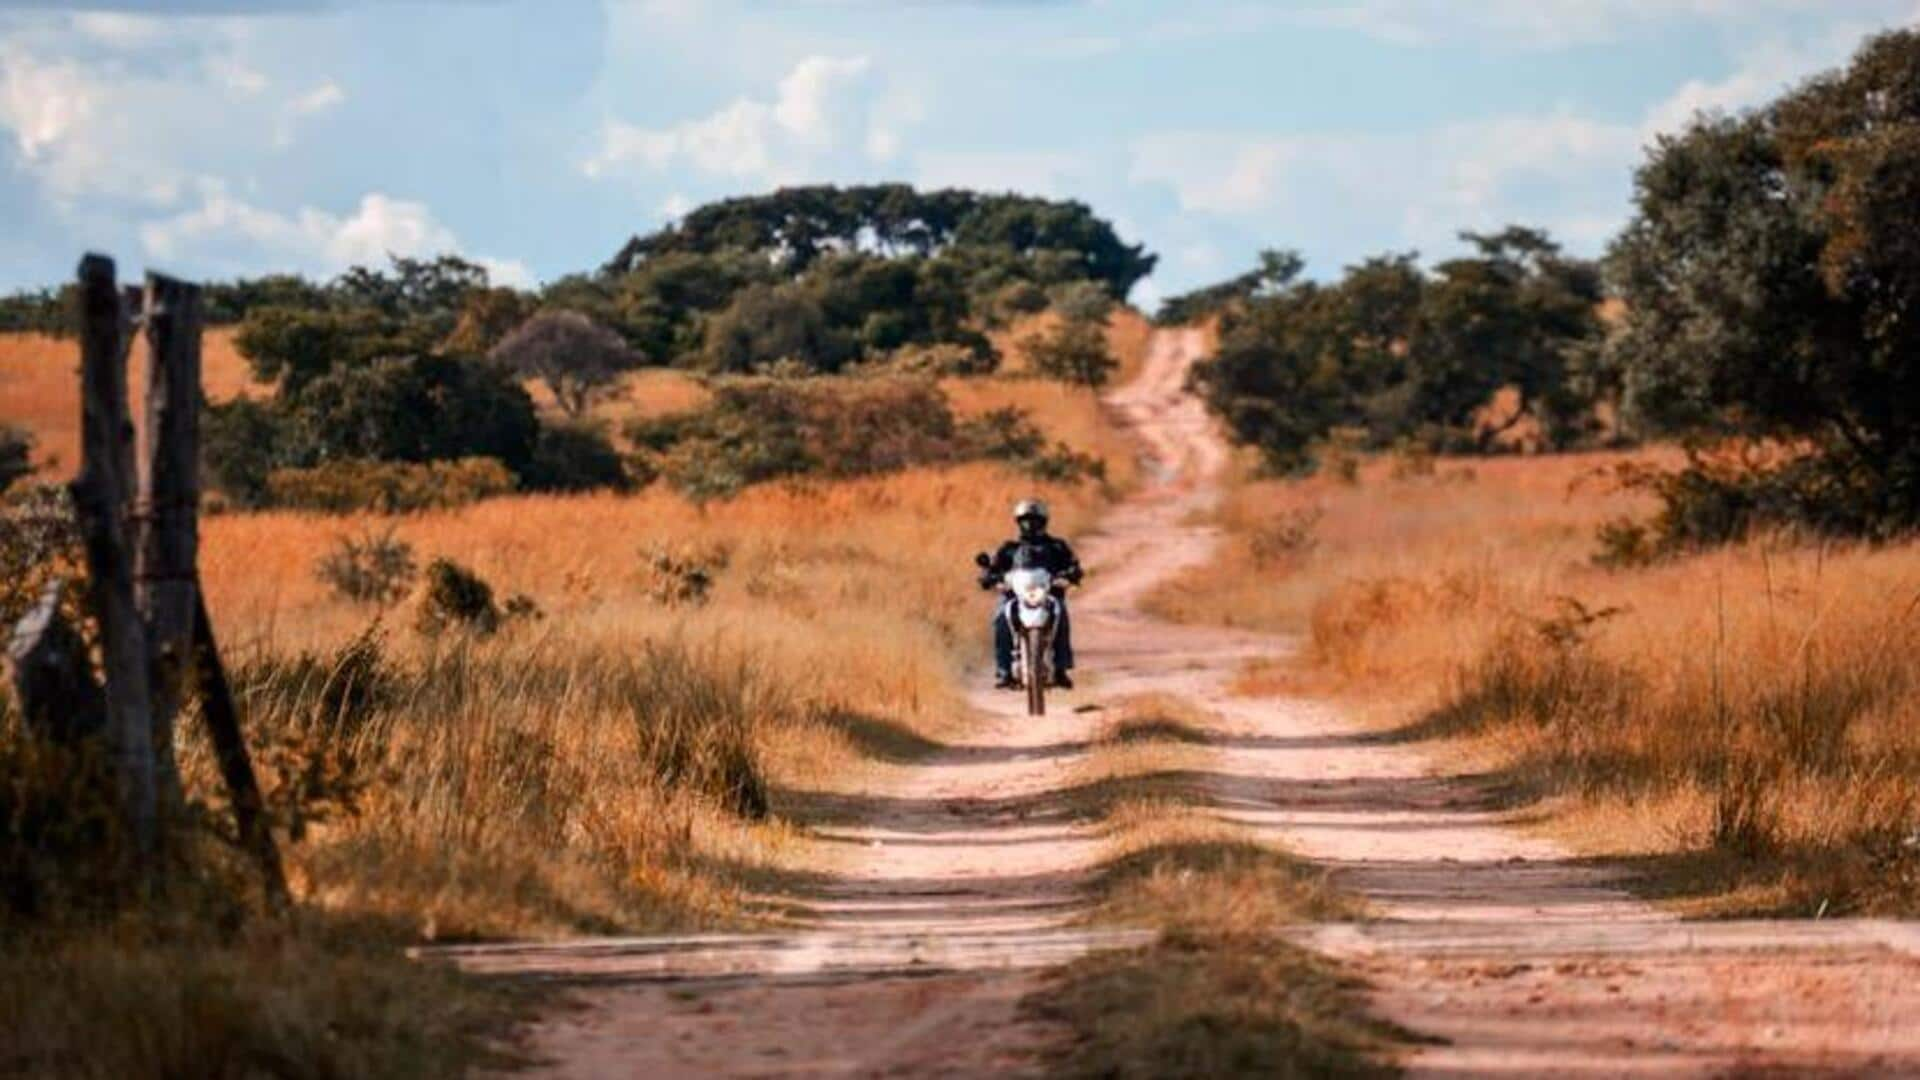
[1034, 595]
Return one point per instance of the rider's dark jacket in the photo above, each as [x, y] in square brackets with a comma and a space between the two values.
[1048, 552]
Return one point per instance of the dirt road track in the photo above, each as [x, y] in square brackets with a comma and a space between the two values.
[963, 874]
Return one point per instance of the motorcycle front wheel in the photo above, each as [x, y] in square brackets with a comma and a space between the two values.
[1033, 672]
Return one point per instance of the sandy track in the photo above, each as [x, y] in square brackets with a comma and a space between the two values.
[960, 877]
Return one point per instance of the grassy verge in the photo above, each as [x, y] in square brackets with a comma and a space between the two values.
[315, 997]
[1219, 993]
[621, 763]
[1739, 725]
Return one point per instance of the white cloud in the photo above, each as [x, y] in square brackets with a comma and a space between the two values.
[226, 234]
[819, 109]
[1544, 23]
[120, 29]
[322, 98]
[1559, 168]
[1552, 169]
[42, 102]
[1764, 72]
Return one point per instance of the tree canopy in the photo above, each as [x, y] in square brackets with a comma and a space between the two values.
[1771, 280]
[797, 226]
[1396, 353]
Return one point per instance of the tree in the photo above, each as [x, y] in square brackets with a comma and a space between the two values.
[1398, 354]
[765, 325]
[1276, 271]
[1771, 279]
[1517, 315]
[487, 316]
[575, 357]
[294, 346]
[413, 408]
[795, 227]
[1073, 351]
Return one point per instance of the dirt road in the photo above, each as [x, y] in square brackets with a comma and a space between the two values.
[962, 876]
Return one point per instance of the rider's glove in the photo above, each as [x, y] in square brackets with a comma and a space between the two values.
[988, 581]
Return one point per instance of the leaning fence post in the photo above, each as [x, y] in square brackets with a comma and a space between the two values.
[168, 508]
[100, 503]
[230, 750]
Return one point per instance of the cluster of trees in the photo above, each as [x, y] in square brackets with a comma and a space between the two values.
[1394, 353]
[424, 361]
[1766, 311]
[393, 366]
[822, 277]
[1771, 281]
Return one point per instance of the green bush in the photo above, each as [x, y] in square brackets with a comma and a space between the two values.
[16, 455]
[575, 457]
[341, 487]
[1075, 352]
[1771, 281]
[455, 598]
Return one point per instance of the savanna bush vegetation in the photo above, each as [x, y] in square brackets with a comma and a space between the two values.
[427, 361]
[1723, 685]
[1396, 354]
[1770, 278]
[755, 430]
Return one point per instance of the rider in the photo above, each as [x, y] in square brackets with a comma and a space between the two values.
[1051, 554]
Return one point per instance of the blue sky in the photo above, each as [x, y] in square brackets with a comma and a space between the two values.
[216, 137]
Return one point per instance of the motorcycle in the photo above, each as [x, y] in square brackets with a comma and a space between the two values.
[1033, 611]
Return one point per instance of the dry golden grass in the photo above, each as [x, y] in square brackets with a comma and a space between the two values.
[315, 997]
[1067, 414]
[571, 774]
[40, 388]
[647, 394]
[1747, 720]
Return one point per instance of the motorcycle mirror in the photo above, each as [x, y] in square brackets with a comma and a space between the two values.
[982, 561]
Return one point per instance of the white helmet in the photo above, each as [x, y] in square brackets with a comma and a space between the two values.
[1027, 508]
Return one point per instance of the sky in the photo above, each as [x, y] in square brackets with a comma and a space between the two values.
[218, 138]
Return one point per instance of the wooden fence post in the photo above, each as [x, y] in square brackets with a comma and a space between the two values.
[100, 503]
[230, 750]
[168, 510]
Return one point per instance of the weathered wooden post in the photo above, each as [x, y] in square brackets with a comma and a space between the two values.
[168, 511]
[100, 493]
[230, 750]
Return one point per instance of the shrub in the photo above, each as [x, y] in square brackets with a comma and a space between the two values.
[680, 575]
[376, 568]
[241, 443]
[767, 324]
[1074, 351]
[16, 455]
[455, 598]
[412, 408]
[941, 359]
[388, 486]
[575, 457]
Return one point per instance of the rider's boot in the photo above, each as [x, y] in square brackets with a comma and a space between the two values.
[1003, 680]
[1062, 680]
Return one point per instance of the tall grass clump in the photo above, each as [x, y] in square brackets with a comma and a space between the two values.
[1744, 717]
[519, 787]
